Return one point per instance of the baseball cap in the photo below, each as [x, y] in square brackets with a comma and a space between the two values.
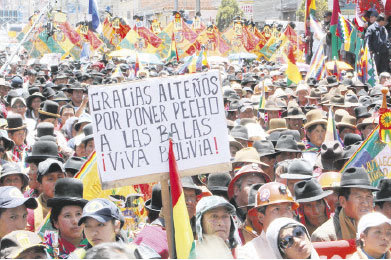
[15, 99]
[12, 197]
[16, 242]
[50, 165]
[372, 219]
[101, 210]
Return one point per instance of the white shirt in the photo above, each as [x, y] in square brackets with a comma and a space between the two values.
[256, 248]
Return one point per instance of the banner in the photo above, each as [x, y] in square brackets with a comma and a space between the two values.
[374, 156]
[340, 249]
[132, 123]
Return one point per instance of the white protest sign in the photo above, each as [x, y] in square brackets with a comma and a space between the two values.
[132, 122]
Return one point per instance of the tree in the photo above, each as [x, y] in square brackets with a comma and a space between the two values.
[227, 11]
[321, 7]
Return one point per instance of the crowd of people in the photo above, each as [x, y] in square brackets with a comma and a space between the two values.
[285, 190]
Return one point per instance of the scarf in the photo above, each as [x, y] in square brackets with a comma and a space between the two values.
[59, 248]
[348, 228]
[18, 152]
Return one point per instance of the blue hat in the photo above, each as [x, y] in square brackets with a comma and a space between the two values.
[101, 210]
[12, 197]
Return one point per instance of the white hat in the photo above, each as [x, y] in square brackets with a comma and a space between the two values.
[372, 219]
[13, 101]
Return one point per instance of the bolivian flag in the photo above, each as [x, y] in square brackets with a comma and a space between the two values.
[184, 241]
[292, 72]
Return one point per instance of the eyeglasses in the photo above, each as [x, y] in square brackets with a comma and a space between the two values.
[288, 241]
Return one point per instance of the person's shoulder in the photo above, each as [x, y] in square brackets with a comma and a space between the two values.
[326, 232]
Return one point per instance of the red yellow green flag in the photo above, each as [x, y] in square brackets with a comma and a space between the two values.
[184, 240]
[292, 72]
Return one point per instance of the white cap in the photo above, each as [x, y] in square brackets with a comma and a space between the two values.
[372, 219]
[13, 101]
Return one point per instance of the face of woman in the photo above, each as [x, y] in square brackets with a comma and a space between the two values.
[377, 240]
[35, 104]
[67, 222]
[294, 242]
[317, 135]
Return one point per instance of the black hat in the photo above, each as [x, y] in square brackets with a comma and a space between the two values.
[45, 128]
[41, 150]
[287, 143]
[76, 86]
[48, 92]
[299, 169]
[155, 202]
[351, 138]
[264, 148]
[219, 182]
[384, 193]
[50, 108]
[361, 112]
[15, 122]
[60, 96]
[88, 133]
[187, 182]
[252, 195]
[296, 136]
[74, 163]
[30, 98]
[273, 137]
[16, 82]
[356, 177]
[309, 190]
[11, 95]
[8, 143]
[68, 191]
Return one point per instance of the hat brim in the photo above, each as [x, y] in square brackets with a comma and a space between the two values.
[17, 253]
[16, 128]
[87, 138]
[48, 113]
[55, 202]
[324, 194]
[315, 122]
[276, 129]
[295, 176]
[360, 187]
[30, 159]
[345, 125]
[230, 189]
[100, 218]
[296, 117]
[218, 188]
[288, 150]
[30, 203]
[148, 205]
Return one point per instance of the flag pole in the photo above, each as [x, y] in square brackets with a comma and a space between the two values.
[167, 213]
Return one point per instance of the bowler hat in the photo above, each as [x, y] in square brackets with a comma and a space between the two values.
[219, 182]
[384, 193]
[347, 121]
[287, 143]
[68, 191]
[298, 169]
[356, 177]
[15, 122]
[45, 128]
[74, 164]
[88, 133]
[41, 150]
[155, 202]
[50, 108]
[309, 190]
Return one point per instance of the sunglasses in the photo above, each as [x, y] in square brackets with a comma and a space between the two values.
[288, 241]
